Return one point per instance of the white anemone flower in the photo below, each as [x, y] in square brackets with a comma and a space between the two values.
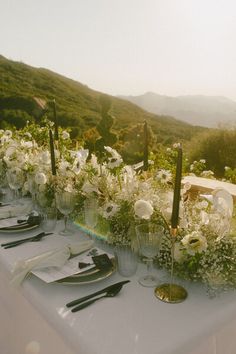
[143, 209]
[115, 160]
[4, 139]
[80, 158]
[65, 135]
[164, 176]
[82, 155]
[63, 167]
[26, 144]
[194, 243]
[8, 133]
[89, 188]
[109, 209]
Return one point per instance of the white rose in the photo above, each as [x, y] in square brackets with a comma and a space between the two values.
[40, 178]
[45, 157]
[143, 209]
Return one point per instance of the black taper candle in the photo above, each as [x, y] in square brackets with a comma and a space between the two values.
[53, 160]
[145, 150]
[177, 189]
[56, 136]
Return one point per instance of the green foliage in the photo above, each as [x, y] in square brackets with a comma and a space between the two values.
[132, 143]
[230, 174]
[16, 118]
[218, 148]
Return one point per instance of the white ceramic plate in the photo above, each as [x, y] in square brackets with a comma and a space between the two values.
[21, 228]
[92, 275]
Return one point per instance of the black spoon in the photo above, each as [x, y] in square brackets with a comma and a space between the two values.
[99, 292]
[110, 293]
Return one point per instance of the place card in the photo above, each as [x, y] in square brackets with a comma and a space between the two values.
[102, 261]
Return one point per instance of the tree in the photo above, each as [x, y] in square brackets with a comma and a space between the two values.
[218, 148]
[133, 143]
[107, 138]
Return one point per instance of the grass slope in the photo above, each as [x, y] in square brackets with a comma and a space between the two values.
[77, 105]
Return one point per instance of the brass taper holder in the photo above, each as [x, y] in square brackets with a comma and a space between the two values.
[169, 292]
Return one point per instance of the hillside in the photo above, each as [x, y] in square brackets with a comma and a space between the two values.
[208, 111]
[77, 105]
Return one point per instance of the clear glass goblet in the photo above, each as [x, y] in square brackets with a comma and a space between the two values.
[33, 188]
[15, 179]
[48, 219]
[149, 238]
[65, 202]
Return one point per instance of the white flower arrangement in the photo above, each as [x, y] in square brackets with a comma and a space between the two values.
[205, 247]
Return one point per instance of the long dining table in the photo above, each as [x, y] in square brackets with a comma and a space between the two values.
[35, 319]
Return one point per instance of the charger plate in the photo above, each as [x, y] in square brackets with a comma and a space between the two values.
[18, 228]
[92, 275]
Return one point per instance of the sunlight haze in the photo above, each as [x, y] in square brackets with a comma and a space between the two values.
[127, 47]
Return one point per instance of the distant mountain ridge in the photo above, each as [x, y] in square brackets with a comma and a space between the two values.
[78, 106]
[206, 111]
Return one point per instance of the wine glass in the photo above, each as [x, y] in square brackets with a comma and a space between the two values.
[15, 179]
[65, 202]
[32, 185]
[48, 219]
[149, 238]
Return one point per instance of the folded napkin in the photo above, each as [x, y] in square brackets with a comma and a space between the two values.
[9, 211]
[51, 258]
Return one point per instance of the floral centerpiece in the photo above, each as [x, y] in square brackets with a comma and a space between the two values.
[126, 196]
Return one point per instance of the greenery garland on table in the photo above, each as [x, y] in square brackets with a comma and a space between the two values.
[205, 247]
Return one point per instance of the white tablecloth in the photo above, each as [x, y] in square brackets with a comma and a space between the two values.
[34, 317]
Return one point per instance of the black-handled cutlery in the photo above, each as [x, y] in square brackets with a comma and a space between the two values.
[110, 293]
[109, 289]
[3, 205]
[15, 243]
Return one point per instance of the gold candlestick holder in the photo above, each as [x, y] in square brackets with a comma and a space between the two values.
[170, 292]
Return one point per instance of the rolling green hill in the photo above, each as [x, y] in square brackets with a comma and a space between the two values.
[78, 106]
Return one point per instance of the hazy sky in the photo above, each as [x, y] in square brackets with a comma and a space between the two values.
[171, 47]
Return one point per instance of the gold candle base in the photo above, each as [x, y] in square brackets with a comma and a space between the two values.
[171, 293]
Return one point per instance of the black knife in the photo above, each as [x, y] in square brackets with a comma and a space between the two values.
[24, 240]
[3, 205]
[84, 298]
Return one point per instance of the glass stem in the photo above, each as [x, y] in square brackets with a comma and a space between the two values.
[65, 220]
[149, 265]
[16, 194]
